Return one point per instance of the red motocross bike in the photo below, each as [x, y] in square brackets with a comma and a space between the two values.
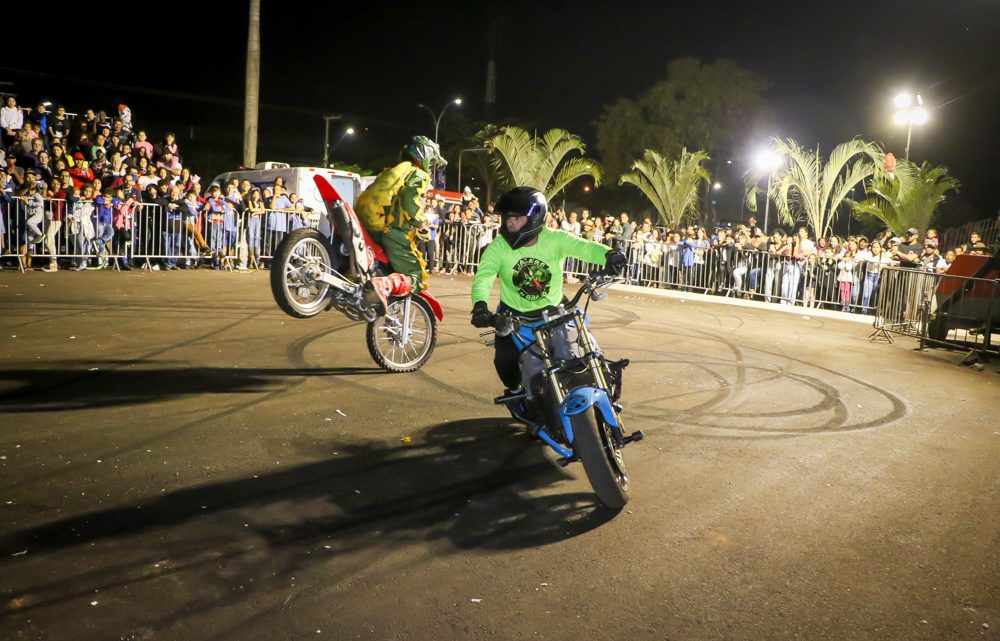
[312, 272]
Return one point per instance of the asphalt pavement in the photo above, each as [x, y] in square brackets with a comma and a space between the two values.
[179, 460]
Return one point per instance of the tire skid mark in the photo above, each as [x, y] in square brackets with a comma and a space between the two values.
[831, 396]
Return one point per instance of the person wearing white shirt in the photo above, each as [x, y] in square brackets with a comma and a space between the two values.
[571, 224]
[11, 119]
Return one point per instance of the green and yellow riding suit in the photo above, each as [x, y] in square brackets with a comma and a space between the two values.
[392, 211]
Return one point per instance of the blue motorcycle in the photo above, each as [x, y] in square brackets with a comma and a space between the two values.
[570, 391]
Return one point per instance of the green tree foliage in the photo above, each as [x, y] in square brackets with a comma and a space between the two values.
[909, 199]
[698, 106]
[672, 186]
[804, 188]
[547, 163]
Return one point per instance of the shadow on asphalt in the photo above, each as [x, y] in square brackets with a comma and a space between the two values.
[474, 484]
[109, 384]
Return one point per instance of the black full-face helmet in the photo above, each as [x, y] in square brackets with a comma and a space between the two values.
[522, 201]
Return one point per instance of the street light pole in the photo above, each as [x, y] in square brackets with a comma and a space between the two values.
[437, 123]
[767, 200]
[326, 137]
[911, 110]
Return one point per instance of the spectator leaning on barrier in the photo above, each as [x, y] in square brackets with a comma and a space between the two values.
[34, 216]
[255, 213]
[122, 210]
[105, 230]
[931, 260]
[909, 250]
[80, 209]
[949, 258]
[214, 211]
[54, 217]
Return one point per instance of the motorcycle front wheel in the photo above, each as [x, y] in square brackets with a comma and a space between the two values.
[602, 459]
[402, 340]
[298, 261]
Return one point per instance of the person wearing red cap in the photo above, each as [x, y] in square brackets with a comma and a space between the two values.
[81, 173]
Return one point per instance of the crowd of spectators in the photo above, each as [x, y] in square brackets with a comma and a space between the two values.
[737, 260]
[78, 183]
[93, 168]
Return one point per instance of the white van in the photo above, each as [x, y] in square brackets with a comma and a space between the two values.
[299, 180]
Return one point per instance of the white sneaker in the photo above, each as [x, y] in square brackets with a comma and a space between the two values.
[51, 268]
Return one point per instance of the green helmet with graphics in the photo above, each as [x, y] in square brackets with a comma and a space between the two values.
[423, 152]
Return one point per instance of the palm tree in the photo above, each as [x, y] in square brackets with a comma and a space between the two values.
[671, 185]
[543, 163]
[804, 188]
[901, 207]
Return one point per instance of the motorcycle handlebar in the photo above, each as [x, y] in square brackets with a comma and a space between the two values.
[506, 324]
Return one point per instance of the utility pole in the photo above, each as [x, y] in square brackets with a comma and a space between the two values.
[252, 98]
[491, 67]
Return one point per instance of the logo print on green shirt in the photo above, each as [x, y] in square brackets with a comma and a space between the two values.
[532, 278]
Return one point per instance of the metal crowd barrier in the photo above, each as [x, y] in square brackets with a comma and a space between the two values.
[988, 230]
[941, 309]
[811, 282]
[63, 231]
[173, 236]
[459, 246]
[150, 233]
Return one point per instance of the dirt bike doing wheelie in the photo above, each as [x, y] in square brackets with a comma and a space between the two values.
[312, 273]
[570, 391]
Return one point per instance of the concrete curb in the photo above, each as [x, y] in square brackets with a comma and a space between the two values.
[812, 312]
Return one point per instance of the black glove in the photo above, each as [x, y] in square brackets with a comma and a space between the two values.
[614, 262]
[481, 315]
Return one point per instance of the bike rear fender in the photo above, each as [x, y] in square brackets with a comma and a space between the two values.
[581, 400]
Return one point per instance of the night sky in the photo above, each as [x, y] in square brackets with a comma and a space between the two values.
[834, 68]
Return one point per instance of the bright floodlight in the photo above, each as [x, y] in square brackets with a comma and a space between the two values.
[717, 186]
[458, 101]
[901, 117]
[918, 116]
[904, 100]
[766, 161]
[350, 131]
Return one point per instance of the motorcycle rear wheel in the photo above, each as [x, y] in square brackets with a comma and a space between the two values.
[297, 263]
[602, 460]
[385, 338]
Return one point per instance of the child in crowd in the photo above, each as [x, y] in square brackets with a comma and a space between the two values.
[122, 209]
[845, 277]
[214, 211]
[192, 225]
[80, 212]
[255, 211]
[104, 228]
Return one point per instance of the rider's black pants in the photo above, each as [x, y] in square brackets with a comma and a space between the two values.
[505, 359]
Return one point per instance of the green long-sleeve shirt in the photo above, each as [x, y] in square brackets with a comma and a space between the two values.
[531, 277]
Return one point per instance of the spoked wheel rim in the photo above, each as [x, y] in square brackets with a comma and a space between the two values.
[403, 347]
[614, 454]
[307, 260]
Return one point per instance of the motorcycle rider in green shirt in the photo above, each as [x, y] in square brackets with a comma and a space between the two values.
[528, 259]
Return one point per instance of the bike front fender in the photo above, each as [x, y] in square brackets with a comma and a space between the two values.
[582, 399]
